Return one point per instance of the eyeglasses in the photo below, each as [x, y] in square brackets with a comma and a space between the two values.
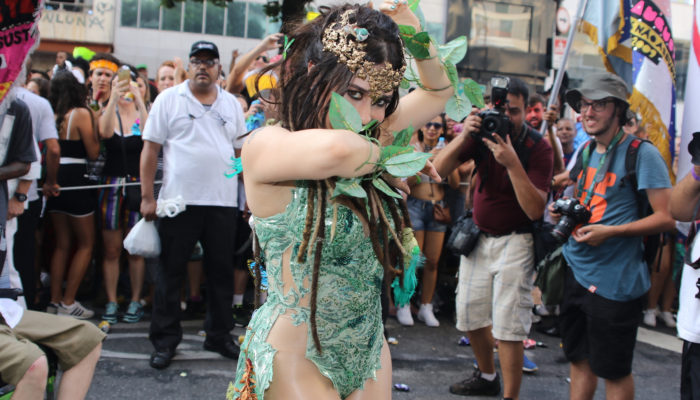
[435, 125]
[598, 105]
[207, 63]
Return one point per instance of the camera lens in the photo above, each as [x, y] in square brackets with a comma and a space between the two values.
[490, 125]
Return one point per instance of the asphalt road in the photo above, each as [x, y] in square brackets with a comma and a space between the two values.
[428, 360]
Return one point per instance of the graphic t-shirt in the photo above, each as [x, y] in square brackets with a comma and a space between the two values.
[616, 269]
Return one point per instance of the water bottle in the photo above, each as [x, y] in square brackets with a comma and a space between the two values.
[441, 143]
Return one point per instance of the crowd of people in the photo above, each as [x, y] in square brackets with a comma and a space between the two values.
[115, 147]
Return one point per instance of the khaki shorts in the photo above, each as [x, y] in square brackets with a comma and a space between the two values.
[494, 287]
[69, 338]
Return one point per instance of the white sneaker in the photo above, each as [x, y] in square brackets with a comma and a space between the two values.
[75, 310]
[403, 314]
[426, 315]
[667, 317]
[650, 317]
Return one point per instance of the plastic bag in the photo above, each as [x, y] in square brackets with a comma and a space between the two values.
[143, 240]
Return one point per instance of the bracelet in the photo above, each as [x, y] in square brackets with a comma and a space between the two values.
[695, 176]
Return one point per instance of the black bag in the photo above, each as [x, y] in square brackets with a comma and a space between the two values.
[543, 240]
[550, 277]
[464, 235]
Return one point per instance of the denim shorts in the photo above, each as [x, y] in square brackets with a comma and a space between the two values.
[421, 213]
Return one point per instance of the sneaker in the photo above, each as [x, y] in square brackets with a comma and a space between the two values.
[667, 317]
[528, 365]
[425, 314]
[650, 317]
[477, 386]
[134, 313]
[241, 315]
[52, 308]
[75, 310]
[110, 315]
[403, 314]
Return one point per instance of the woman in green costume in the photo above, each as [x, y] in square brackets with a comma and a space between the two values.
[319, 335]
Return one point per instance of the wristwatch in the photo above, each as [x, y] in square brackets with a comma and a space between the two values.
[21, 197]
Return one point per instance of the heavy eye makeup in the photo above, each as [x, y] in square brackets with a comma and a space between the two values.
[357, 93]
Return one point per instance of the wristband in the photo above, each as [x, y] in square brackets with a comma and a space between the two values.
[695, 176]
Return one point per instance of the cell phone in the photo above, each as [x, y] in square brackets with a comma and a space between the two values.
[124, 73]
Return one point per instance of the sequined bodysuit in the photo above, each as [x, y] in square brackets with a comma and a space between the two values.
[348, 316]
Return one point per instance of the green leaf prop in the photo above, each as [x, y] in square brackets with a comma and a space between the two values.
[405, 84]
[381, 185]
[402, 138]
[406, 30]
[474, 93]
[454, 51]
[418, 45]
[343, 115]
[452, 74]
[458, 107]
[414, 5]
[349, 187]
[392, 150]
[405, 165]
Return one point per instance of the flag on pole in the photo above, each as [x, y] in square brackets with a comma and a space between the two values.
[654, 81]
[19, 21]
[691, 117]
[634, 38]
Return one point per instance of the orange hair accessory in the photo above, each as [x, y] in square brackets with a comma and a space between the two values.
[103, 64]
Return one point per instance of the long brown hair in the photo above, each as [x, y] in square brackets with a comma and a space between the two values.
[308, 77]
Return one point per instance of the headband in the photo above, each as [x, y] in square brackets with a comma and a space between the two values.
[103, 64]
[336, 39]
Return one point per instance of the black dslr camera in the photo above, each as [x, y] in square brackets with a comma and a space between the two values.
[495, 119]
[572, 213]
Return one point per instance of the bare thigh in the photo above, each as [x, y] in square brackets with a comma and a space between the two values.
[295, 377]
[381, 388]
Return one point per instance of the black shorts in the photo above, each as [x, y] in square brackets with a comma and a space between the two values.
[599, 330]
[690, 371]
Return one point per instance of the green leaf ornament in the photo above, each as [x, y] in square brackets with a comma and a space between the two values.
[474, 92]
[390, 151]
[454, 51]
[418, 45]
[349, 187]
[403, 137]
[405, 165]
[343, 115]
[458, 106]
[381, 185]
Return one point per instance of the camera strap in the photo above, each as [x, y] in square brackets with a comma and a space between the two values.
[603, 166]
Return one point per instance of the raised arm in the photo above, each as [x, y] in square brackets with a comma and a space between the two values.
[421, 105]
[234, 83]
[313, 154]
[108, 119]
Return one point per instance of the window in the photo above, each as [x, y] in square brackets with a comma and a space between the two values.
[171, 18]
[256, 21]
[235, 22]
[215, 19]
[501, 25]
[238, 18]
[193, 16]
[129, 12]
[150, 14]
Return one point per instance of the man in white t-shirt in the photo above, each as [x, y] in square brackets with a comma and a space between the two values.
[198, 126]
[684, 200]
[25, 202]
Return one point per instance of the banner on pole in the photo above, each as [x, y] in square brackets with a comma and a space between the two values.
[18, 37]
[691, 116]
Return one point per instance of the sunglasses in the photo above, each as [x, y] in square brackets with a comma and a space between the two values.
[208, 63]
[435, 125]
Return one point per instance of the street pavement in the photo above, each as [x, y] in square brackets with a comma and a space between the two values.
[428, 360]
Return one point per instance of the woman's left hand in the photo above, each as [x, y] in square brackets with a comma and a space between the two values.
[399, 11]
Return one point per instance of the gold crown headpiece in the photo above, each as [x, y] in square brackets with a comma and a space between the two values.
[351, 52]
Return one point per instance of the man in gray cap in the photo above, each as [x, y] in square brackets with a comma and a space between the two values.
[199, 127]
[606, 277]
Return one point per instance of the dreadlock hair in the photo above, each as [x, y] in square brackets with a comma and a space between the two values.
[308, 77]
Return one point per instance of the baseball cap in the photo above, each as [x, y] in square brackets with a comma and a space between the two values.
[203, 45]
[598, 86]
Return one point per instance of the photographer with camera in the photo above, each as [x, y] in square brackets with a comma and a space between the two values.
[607, 278]
[685, 201]
[514, 170]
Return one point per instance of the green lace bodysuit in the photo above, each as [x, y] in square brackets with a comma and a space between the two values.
[348, 312]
